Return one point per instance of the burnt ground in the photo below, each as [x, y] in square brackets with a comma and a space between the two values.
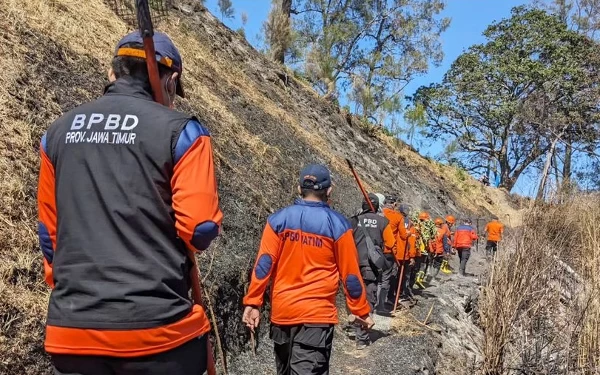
[449, 344]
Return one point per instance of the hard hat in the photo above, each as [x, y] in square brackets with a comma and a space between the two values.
[424, 216]
[439, 221]
[451, 219]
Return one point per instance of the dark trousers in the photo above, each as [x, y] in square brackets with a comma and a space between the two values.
[302, 349]
[362, 335]
[491, 247]
[187, 359]
[385, 278]
[464, 254]
[414, 270]
[406, 291]
[436, 263]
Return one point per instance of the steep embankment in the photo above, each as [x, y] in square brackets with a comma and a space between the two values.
[265, 126]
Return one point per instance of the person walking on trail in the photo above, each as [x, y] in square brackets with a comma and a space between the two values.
[126, 194]
[381, 233]
[423, 237]
[494, 230]
[439, 247]
[305, 250]
[448, 228]
[407, 258]
[371, 229]
[396, 224]
[463, 242]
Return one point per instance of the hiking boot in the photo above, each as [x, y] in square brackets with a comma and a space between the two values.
[444, 268]
[360, 345]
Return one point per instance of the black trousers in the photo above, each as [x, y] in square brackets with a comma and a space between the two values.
[385, 278]
[491, 246]
[415, 269]
[362, 335]
[302, 349]
[187, 359]
[464, 253]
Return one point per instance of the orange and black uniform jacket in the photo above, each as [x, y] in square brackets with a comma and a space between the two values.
[127, 191]
[398, 226]
[464, 237]
[305, 250]
[441, 243]
[494, 230]
[448, 232]
[413, 252]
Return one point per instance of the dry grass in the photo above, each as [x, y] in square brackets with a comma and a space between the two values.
[55, 55]
[540, 308]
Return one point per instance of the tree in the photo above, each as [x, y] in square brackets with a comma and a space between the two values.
[226, 9]
[368, 50]
[581, 16]
[511, 100]
[278, 30]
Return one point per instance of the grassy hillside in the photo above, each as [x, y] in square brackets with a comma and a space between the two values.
[265, 126]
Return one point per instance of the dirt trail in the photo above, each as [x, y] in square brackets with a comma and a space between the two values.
[448, 346]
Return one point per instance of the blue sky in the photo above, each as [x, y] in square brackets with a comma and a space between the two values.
[469, 20]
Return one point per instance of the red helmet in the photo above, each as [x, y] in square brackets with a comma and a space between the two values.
[424, 216]
[439, 221]
[450, 219]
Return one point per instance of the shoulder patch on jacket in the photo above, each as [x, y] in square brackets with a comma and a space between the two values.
[190, 133]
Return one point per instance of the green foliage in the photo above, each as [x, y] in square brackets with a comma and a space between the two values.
[241, 31]
[427, 229]
[502, 101]
[368, 50]
[226, 9]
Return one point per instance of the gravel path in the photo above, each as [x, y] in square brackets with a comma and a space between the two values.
[448, 345]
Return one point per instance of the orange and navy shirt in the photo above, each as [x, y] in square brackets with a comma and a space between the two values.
[306, 249]
[126, 192]
[464, 237]
[441, 244]
[494, 229]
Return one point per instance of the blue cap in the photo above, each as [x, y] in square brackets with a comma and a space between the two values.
[404, 209]
[166, 52]
[315, 176]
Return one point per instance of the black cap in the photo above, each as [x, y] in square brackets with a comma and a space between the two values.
[315, 176]
[374, 201]
[390, 199]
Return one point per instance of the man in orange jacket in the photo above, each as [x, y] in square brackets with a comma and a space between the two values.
[410, 254]
[305, 251]
[494, 230]
[127, 194]
[439, 247]
[401, 256]
[448, 228]
[422, 252]
[463, 242]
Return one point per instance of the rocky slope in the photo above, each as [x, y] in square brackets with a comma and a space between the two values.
[265, 126]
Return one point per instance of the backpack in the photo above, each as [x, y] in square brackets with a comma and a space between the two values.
[375, 253]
